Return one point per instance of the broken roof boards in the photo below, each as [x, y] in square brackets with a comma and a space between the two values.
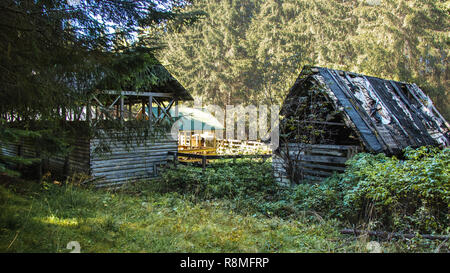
[388, 116]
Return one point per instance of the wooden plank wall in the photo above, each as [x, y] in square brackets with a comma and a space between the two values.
[129, 163]
[113, 169]
[77, 161]
[313, 162]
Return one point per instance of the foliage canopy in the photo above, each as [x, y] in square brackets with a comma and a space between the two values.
[54, 54]
[252, 51]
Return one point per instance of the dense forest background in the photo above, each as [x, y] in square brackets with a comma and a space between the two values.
[54, 54]
[252, 51]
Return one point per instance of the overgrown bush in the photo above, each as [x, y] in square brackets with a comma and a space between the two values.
[248, 184]
[375, 191]
[411, 195]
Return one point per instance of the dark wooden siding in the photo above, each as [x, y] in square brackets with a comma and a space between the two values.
[311, 162]
[78, 159]
[129, 162]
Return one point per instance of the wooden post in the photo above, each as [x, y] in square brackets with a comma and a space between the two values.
[88, 112]
[121, 109]
[175, 159]
[130, 116]
[204, 163]
[159, 110]
[174, 119]
[150, 110]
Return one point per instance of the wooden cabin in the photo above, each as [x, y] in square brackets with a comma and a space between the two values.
[112, 157]
[329, 115]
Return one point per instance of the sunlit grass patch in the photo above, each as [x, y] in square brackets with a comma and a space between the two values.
[59, 221]
[141, 220]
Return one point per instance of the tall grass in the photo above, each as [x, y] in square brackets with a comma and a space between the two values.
[46, 220]
[150, 217]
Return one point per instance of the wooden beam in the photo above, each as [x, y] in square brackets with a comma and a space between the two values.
[392, 115]
[164, 109]
[139, 94]
[204, 163]
[176, 108]
[323, 159]
[321, 146]
[99, 103]
[88, 112]
[359, 118]
[150, 110]
[324, 122]
[121, 109]
[219, 156]
[143, 110]
[130, 114]
[112, 104]
[320, 166]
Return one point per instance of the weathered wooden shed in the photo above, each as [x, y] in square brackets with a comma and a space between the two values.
[112, 156]
[330, 115]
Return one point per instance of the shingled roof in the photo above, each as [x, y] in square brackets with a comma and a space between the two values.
[387, 115]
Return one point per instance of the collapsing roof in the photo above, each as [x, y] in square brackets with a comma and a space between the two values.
[387, 116]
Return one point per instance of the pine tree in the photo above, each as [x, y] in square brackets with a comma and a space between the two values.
[394, 39]
[52, 54]
[209, 56]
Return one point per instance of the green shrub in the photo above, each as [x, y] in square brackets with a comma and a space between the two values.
[408, 195]
[325, 198]
[248, 184]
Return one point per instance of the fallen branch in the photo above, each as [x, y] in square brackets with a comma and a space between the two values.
[15, 237]
[393, 234]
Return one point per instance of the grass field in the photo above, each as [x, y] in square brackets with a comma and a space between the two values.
[38, 217]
